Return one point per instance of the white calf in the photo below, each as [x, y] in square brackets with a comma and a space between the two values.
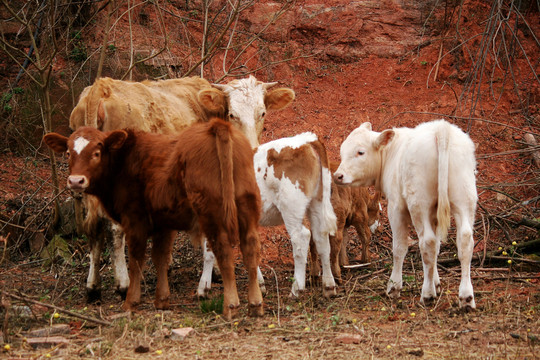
[295, 181]
[427, 174]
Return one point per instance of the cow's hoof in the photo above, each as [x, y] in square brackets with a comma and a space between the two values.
[128, 307]
[93, 295]
[329, 291]
[230, 312]
[467, 304]
[263, 289]
[393, 292]
[438, 289]
[428, 300]
[256, 310]
[203, 294]
[295, 291]
[162, 304]
[122, 292]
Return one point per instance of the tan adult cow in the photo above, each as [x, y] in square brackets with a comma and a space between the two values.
[154, 184]
[165, 106]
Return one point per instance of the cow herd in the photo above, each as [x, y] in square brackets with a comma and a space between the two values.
[157, 157]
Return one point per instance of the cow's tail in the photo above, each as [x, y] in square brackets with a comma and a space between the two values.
[443, 204]
[94, 109]
[224, 146]
[325, 190]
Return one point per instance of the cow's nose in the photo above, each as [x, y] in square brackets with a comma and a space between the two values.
[338, 177]
[77, 182]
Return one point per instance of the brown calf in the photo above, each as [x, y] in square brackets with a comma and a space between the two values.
[155, 184]
[353, 206]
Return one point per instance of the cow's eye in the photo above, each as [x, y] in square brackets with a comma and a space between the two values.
[68, 154]
[360, 153]
[96, 154]
[231, 117]
[263, 114]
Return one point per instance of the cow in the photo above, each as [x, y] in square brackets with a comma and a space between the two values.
[169, 107]
[427, 175]
[154, 184]
[295, 182]
[353, 206]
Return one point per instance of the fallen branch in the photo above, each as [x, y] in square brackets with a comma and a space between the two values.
[56, 308]
[530, 223]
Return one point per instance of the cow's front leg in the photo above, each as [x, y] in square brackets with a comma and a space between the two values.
[121, 276]
[205, 283]
[93, 282]
[136, 250]
[161, 255]
[399, 249]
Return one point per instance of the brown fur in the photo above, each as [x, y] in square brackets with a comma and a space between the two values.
[354, 206]
[154, 185]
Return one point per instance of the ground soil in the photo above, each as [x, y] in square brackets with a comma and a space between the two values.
[332, 98]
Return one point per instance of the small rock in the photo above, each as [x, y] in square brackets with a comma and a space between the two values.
[416, 352]
[47, 342]
[348, 339]
[181, 333]
[141, 349]
[56, 329]
[22, 311]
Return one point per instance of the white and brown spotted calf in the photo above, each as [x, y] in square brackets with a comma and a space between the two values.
[295, 182]
[427, 174]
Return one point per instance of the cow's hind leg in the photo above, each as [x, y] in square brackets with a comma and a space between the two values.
[398, 223]
[251, 249]
[465, 245]
[162, 244]
[225, 259]
[121, 277]
[300, 236]
[322, 242]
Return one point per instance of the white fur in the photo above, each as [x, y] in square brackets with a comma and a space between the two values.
[285, 203]
[405, 168]
[79, 144]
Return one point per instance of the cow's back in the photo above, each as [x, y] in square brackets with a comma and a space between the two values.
[198, 158]
[111, 104]
[411, 164]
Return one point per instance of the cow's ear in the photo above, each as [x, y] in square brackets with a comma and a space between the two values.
[116, 139]
[384, 138]
[56, 142]
[213, 100]
[278, 98]
[366, 125]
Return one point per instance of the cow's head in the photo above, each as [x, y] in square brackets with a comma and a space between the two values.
[88, 150]
[361, 158]
[247, 101]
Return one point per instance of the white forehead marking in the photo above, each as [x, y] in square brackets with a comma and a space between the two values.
[79, 144]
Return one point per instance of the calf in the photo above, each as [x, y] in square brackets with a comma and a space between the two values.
[155, 184]
[353, 206]
[294, 180]
[427, 174]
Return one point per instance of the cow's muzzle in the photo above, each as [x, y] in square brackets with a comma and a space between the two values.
[77, 182]
[338, 178]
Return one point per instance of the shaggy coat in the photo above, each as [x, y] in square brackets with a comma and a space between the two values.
[153, 185]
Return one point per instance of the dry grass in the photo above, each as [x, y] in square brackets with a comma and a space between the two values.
[361, 322]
